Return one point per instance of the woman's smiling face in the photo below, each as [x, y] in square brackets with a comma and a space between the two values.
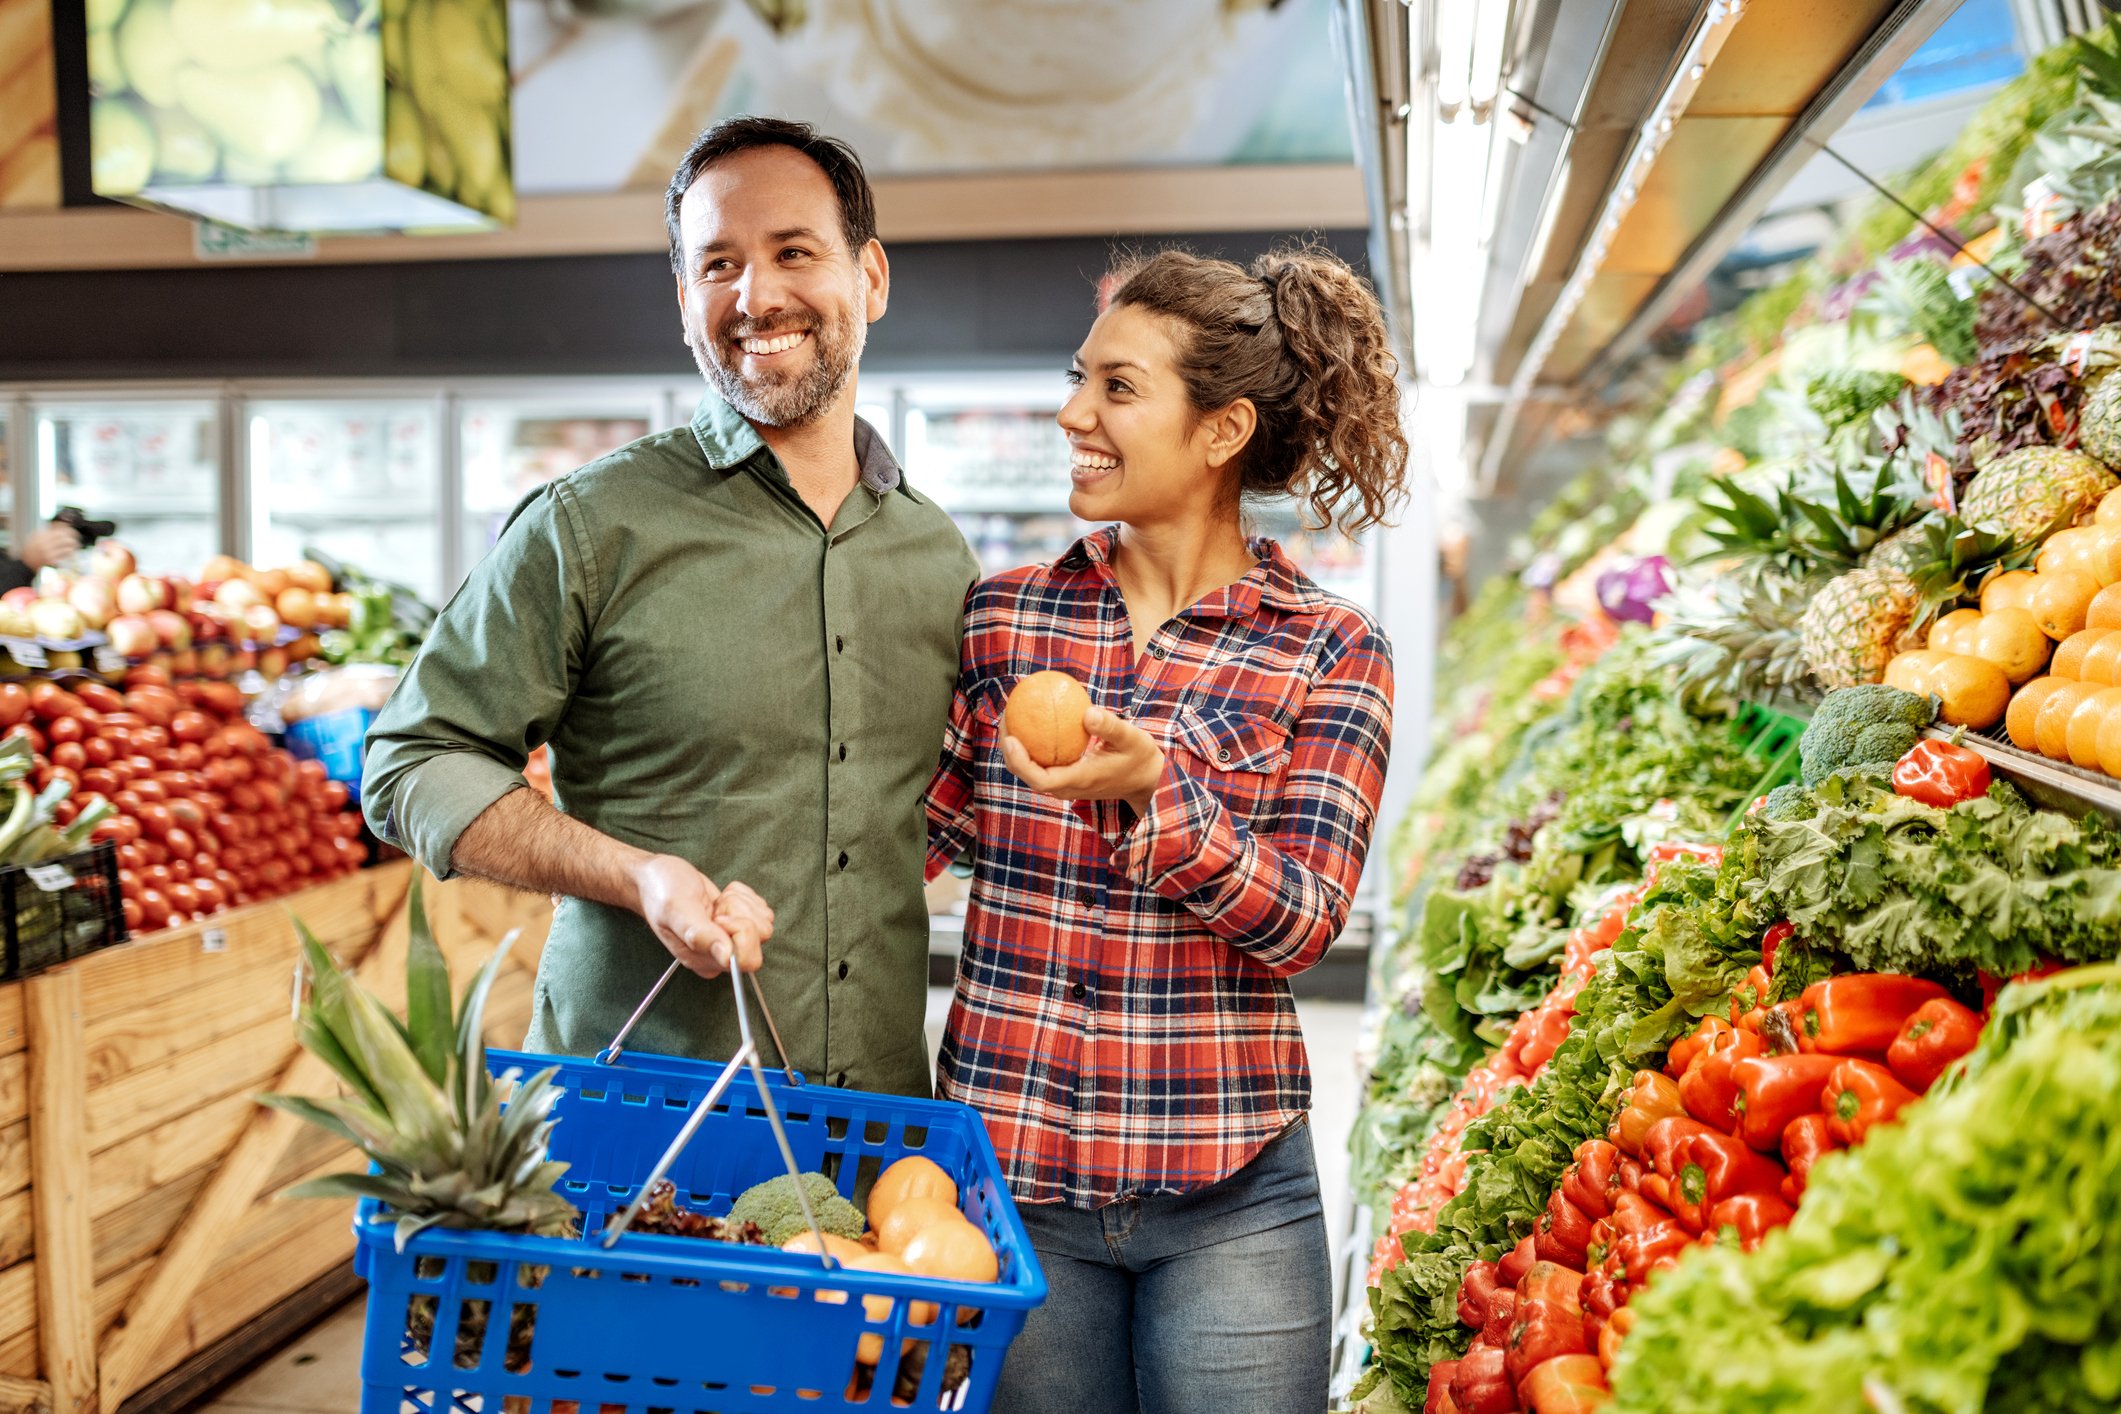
[1139, 453]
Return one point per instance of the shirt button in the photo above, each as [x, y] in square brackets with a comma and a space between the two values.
[843, 751]
[1087, 898]
[843, 971]
[839, 643]
[1223, 755]
[1078, 991]
[840, 1080]
[843, 859]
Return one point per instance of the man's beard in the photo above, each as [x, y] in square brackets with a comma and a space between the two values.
[777, 399]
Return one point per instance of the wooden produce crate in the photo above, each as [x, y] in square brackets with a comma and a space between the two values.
[138, 1224]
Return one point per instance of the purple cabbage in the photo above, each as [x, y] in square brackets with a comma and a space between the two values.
[1628, 593]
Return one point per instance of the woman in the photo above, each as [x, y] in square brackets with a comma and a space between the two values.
[1123, 1019]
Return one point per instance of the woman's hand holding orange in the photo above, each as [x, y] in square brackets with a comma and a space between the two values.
[1123, 762]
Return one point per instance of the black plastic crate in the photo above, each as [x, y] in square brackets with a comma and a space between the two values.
[61, 909]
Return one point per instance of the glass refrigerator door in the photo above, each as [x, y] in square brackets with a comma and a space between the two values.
[150, 466]
[510, 447]
[360, 480]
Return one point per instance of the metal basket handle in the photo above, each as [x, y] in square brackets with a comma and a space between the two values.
[747, 1054]
[611, 1053]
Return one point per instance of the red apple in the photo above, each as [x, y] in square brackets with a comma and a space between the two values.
[96, 601]
[170, 628]
[260, 623]
[132, 635]
[20, 599]
[52, 582]
[55, 618]
[111, 561]
[137, 594]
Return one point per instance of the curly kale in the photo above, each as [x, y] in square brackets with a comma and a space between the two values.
[1866, 725]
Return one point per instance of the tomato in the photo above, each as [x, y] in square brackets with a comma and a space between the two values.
[123, 721]
[157, 705]
[133, 913]
[66, 729]
[70, 755]
[189, 756]
[191, 726]
[128, 879]
[50, 701]
[99, 696]
[155, 876]
[336, 795]
[209, 895]
[150, 789]
[180, 842]
[325, 855]
[180, 870]
[29, 734]
[67, 774]
[242, 769]
[140, 765]
[149, 740]
[310, 770]
[65, 811]
[185, 811]
[146, 677]
[154, 908]
[101, 750]
[154, 817]
[244, 800]
[14, 704]
[153, 849]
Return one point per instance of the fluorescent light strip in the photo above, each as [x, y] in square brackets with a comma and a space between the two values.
[1490, 28]
[1454, 54]
[1707, 43]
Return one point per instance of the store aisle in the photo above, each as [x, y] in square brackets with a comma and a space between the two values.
[320, 1373]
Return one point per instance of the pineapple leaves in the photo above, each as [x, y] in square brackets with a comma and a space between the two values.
[427, 1017]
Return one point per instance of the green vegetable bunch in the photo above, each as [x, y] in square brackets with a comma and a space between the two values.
[774, 1206]
[1963, 1260]
[1867, 725]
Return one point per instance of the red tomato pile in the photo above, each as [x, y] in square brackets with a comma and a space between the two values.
[210, 814]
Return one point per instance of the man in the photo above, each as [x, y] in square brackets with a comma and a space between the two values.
[740, 638]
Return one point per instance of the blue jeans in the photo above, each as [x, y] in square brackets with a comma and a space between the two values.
[1215, 1302]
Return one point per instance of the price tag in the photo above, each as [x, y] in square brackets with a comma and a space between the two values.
[1961, 281]
[110, 661]
[28, 654]
[50, 877]
[214, 940]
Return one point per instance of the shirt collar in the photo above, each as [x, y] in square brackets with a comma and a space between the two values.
[1275, 581]
[728, 440]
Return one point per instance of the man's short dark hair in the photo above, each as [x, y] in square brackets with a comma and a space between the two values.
[733, 135]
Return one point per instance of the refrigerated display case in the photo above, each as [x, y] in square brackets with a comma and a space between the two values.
[154, 466]
[508, 447]
[359, 479]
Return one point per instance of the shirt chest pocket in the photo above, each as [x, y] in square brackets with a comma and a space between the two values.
[1237, 755]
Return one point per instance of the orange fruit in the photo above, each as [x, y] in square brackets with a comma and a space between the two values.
[905, 1221]
[2051, 726]
[2065, 549]
[2060, 600]
[1045, 713]
[878, 1308]
[2102, 561]
[2105, 609]
[1910, 672]
[2024, 711]
[1954, 632]
[2006, 591]
[2068, 661]
[1973, 691]
[2109, 512]
[2102, 664]
[2013, 642]
[2110, 744]
[911, 1177]
[2082, 734]
[954, 1251]
[843, 1250]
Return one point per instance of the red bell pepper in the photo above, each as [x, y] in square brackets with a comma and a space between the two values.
[1563, 1233]
[1938, 1034]
[1686, 1048]
[1664, 1139]
[1707, 1089]
[1751, 995]
[1751, 1215]
[1650, 1098]
[1550, 1028]
[1860, 1094]
[1511, 1269]
[1803, 1142]
[1860, 1013]
[1543, 1331]
[1773, 1091]
[1556, 1284]
[1481, 1383]
[1941, 774]
[1616, 1330]
[1778, 933]
[1991, 984]
[1653, 1249]
[1714, 1167]
[1476, 1293]
[1588, 1181]
[1502, 1314]
[1566, 1384]
[1658, 1189]
[1439, 1399]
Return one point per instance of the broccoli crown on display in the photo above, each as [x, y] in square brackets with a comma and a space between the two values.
[774, 1207]
[1869, 725]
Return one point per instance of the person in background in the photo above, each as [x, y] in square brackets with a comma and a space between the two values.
[52, 543]
[1123, 1020]
[739, 638]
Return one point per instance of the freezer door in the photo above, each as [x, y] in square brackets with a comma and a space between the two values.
[151, 465]
[360, 479]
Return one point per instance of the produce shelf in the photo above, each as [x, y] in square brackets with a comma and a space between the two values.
[2057, 785]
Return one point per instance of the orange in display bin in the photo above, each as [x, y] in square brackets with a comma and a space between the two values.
[335, 739]
[60, 910]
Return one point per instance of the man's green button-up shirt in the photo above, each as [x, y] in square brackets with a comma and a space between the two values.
[725, 679]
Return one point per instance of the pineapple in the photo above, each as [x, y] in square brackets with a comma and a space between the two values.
[1733, 640]
[2099, 420]
[422, 1106]
[2034, 489]
[1853, 625]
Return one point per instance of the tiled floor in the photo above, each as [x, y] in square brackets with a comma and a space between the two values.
[320, 1373]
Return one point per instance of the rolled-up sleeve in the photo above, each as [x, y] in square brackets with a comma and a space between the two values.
[1280, 896]
[488, 687]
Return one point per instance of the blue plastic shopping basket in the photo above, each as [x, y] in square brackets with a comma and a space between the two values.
[506, 1324]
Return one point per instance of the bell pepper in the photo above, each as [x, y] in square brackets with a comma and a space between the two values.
[1549, 1029]
[1650, 1098]
[1566, 1384]
[1664, 1139]
[1860, 1094]
[1512, 1056]
[1502, 1314]
[1658, 1189]
[1476, 1293]
[1616, 1330]
[1481, 1383]
[1751, 995]
[1600, 1295]
[1991, 984]
[1587, 1182]
[1543, 1331]
[1938, 1034]
[1707, 1089]
[1940, 773]
[1713, 1167]
[1511, 1269]
[1778, 933]
[1653, 1249]
[1438, 1400]
[1751, 1215]
[1555, 1283]
[1686, 1048]
[1563, 1233]
[1803, 1142]
[1860, 1013]
[1773, 1091]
